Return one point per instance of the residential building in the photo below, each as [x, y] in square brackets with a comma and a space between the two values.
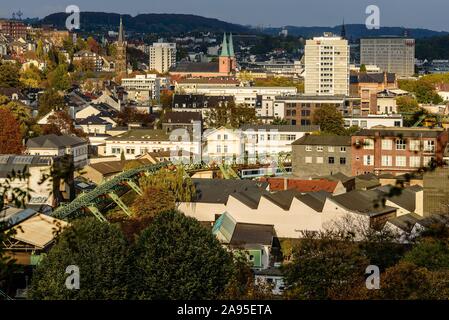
[13, 28]
[327, 66]
[133, 143]
[162, 56]
[193, 83]
[390, 54]
[199, 102]
[319, 155]
[299, 109]
[94, 124]
[58, 146]
[89, 58]
[396, 150]
[143, 88]
[173, 120]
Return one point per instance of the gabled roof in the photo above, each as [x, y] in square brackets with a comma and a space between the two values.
[303, 186]
[53, 141]
[406, 222]
[16, 163]
[113, 167]
[194, 67]
[182, 117]
[323, 140]
[367, 202]
[93, 119]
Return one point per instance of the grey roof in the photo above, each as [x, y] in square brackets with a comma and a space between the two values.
[406, 199]
[53, 141]
[193, 67]
[301, 97]
[315, 200]
[18, 163]
[400, 132]
[363, 202]
[323, 140]
[405, 222]
[93, 119]
[283, 198]
[182, 117]
[247, 233]
[218, 190]
[280, 128]
[378, 77]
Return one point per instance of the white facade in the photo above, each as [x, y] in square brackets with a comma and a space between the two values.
[162, 56]
[367, 122]
[327, 66]
[242, 95]
[142, 87]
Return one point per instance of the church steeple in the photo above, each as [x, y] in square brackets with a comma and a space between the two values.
[231, 46]
[121, 36]
[343, 30]
[224, 47]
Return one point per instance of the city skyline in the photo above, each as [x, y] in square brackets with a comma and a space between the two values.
[429, 15]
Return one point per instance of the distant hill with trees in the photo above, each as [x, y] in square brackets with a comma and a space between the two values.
[151, 22]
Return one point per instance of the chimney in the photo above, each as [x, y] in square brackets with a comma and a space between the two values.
[385, 78]
[285, 183]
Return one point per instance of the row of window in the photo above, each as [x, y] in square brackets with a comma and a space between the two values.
[400, 161]
[400, 144]
[330, 160]
[329, 149]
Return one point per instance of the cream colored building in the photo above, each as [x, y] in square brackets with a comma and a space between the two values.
[162, 56]
[327, 66]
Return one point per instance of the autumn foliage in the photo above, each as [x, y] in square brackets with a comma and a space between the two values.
[10, 136]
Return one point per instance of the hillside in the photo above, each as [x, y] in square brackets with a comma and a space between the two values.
[356, 31]
[152, 22]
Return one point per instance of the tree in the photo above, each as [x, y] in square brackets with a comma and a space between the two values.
[93, 45]
[31, 77]
[129, 114]
[329, 119]
[279, 121]
[58, 79]
[22, 114]
[154, 201]
[230, 115]
[166, 98]
[430, 253]
[410, 109]
[101, 253]
[50, 100]
[177, 258]
[9, 75]
[325, 266]
[10, 135]
[60, 123]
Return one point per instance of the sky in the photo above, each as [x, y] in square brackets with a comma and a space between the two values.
[430, 14]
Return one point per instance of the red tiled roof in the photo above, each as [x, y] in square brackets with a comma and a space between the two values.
[277, 184]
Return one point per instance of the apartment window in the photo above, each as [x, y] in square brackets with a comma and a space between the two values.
[218, 148]
[319, 160]
[415, 162]
[363, 124]
[225, 137]
[331, 149]
[331, 160]
[116, 150]
[319, 148]
[387, 161]
[415, 145]
[400, 144]
[308, 148]
[225, 149]
[368, 160]
[387, 144]
[342, 149]
[261, 137]
[429, 146]
[218, 136]
[342, 161]
[308, 159]
[130, 150]
[401, 161]
[368, 144]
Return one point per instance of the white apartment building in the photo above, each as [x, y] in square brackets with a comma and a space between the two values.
[134, 143]
[162, 56]
[327, 66]
[143, 88]
[390, 54]
[251, 143]
[58, 146]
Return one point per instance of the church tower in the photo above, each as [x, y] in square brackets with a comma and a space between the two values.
[343, 30]
[224, 60]
[121, 63]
